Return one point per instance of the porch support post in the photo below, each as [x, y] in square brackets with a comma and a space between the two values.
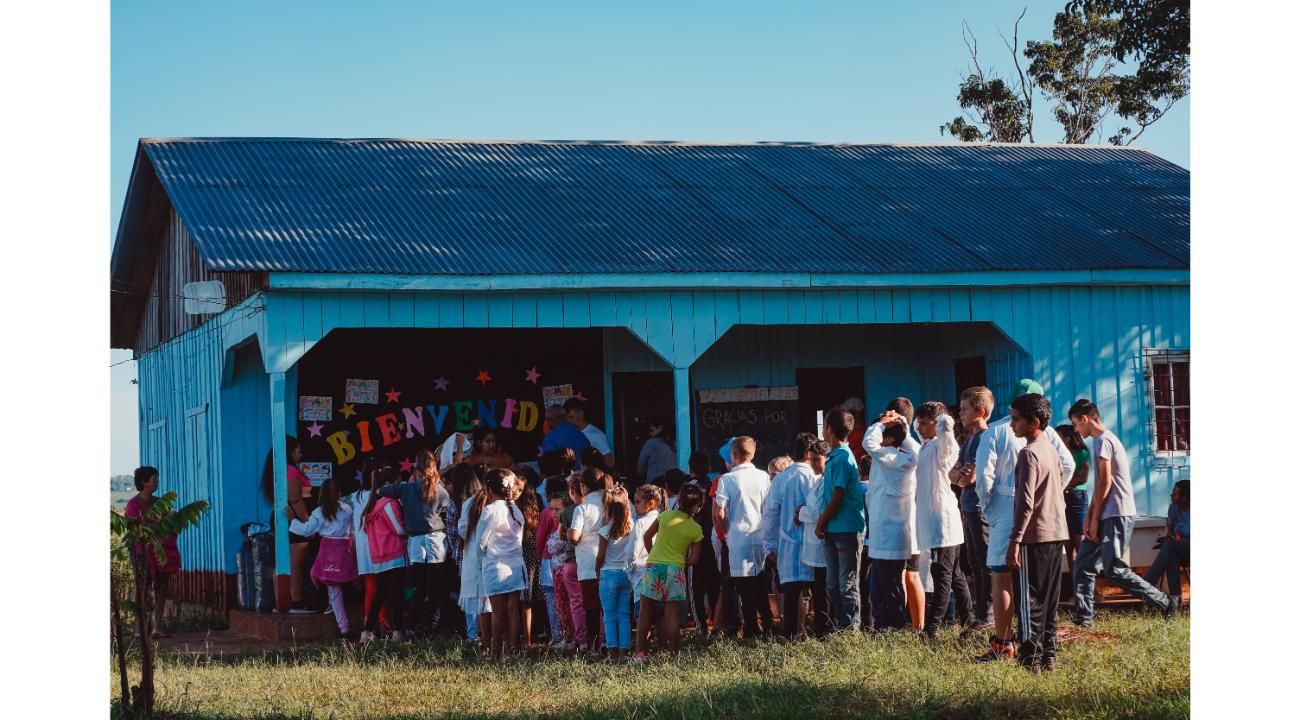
[280, 470]
[682, 402]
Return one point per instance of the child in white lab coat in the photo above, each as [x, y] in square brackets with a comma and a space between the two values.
[891, 509]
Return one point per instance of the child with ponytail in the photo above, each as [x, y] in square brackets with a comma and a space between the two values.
[336, 561]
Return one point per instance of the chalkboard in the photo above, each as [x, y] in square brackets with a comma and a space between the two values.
[769, 415]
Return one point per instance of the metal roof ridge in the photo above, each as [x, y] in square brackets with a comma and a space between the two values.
[644, 143]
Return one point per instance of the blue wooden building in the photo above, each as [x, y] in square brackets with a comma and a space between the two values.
[355, 275]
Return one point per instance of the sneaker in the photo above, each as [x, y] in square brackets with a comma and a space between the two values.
[1080, 623]
[973, 630]
[301, 609]
[394, 635]
[327, 611]
[1049, 664]
[561, 644]
[367, 637]
[639, 657]
[1173, 607]
[998, 650]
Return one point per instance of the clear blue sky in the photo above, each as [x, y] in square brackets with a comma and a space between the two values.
[667, 70]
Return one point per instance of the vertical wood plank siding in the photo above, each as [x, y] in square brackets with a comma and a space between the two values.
[177, 263]
[1078, 341]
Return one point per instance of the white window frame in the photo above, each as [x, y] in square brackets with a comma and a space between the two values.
[1149, 360]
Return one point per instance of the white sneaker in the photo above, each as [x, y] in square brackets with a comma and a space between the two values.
[366, 637]
[395, 636]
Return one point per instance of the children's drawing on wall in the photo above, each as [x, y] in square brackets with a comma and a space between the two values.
[553, 395]
[317, 472]
[315, 407]
[363, 392]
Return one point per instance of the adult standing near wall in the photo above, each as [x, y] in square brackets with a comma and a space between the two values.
[562, 434]
[577, 414]
[657, 455]
[299, 494]
[160, 572]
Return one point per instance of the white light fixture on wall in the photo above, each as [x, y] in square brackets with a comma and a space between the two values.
[204, 298]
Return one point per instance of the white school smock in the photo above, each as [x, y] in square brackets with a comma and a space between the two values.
[938, 516]
[358, 502]
[813, 551]
[891, 497]
[340, 528]
[473, 598]
[780, 534]
[639, 553]
[588, 517]
[500, 536]
[995, 480]
[741, 493]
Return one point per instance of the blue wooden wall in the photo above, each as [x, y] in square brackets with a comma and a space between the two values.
[1078, 340]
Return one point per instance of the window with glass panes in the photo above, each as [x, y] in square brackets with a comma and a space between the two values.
[1169, 380]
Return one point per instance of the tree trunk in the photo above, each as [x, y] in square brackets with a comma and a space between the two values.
[119, 641]
[143, 593]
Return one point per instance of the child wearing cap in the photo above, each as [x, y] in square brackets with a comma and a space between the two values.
[995, 482]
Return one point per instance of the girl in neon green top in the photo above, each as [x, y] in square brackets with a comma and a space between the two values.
[673, 540]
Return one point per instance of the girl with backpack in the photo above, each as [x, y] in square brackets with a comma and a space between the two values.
[336, 561]
[386, 541]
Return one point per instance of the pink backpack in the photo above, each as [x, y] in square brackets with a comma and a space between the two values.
[385, 543]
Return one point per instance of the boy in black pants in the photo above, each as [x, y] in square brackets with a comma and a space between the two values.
[1038, 533]
[976, 406]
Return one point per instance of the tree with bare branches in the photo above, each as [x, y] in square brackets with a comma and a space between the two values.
[1085, 72]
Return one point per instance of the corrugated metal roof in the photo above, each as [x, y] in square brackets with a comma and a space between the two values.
[474, 208]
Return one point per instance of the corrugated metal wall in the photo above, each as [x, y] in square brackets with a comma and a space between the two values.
[203, 424]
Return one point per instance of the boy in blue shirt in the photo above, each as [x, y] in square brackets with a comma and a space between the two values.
[842, 522]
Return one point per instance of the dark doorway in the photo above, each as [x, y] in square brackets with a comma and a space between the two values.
[969, 372]
[824, 388]
[639, 397]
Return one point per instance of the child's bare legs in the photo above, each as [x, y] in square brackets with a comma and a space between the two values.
[485, 628]
[670, 637]
[159, 602]
[1002, 605]
[527, 640]
[297, 570]
[644, 624]
[505, 631]
[915, 592]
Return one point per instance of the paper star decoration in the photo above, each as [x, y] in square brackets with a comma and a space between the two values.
[348, 411]
[407, 465]
[315, 429]
[483, 377]
[533, 375]
[579, 396]
[392, 395]
[441, 383]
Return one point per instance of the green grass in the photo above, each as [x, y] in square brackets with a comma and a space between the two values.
[1144, 672]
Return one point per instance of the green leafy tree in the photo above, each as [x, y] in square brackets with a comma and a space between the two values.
[133, 539]
[1107, 58]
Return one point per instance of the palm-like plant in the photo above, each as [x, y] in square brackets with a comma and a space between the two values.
[132, 540]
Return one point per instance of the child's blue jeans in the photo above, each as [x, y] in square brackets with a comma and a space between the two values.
[616, 604]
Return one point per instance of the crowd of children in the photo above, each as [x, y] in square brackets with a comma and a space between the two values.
[879, 528]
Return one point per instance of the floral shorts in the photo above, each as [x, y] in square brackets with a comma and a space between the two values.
[663, 583]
